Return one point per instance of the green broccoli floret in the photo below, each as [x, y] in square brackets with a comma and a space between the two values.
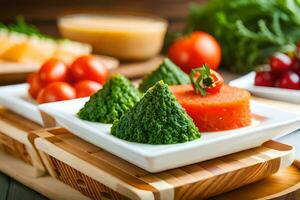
[168, 72]
[116, 97]
[157, 118]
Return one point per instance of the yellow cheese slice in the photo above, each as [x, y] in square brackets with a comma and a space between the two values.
[8, 41]
[34, 49]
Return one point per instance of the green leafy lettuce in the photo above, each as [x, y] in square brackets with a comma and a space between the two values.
[248, 30]
[156, 119]
[168, 72]
[116, 97]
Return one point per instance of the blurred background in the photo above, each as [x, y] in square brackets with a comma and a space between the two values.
[44, 13]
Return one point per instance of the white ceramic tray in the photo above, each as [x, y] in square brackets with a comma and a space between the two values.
[247, 82]
[16, 98]
[272, 123]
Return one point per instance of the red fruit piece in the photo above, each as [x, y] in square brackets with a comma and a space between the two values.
[264, 78]
[290, 80]
[280, 62]
[53, 70]
[86, 88]
[295, 66]
[35, 85]
[57, 91]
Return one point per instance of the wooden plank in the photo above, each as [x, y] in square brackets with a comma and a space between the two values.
[14, 139]
[46, 185]
[284, 184]
[69, 155]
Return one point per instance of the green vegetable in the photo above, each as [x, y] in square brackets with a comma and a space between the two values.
[203, 81]
[168, 72]
[156, 119]
[248, 30]
[22, 27]
[116, 97]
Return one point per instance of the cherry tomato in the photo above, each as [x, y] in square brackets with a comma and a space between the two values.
[35, 86]
[86, 88]
[57, 91]
[53, 70]
[264, 78]
[206, 80]
[280, 63]
[40, 97]
[218, 82]
[89, 68]
[195, 50]
[290, 80]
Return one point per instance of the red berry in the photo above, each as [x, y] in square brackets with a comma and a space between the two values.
[290, 80]
[264, 78]
[280, 62]
[295, 66]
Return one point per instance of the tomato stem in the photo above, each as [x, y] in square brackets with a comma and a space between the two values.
[201, 79]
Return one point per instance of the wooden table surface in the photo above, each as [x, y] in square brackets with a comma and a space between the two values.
[11, 189]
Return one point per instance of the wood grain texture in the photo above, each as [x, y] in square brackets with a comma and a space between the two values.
[14, 139]
[79, 163]
[285, 184]
[46, 185]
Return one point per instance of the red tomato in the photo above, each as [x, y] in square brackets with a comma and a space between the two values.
[195, 50]
[40, 97]
[206, 79]
[86, 88]
[89, 68]
[53, 70]
[218, 82]
[57, 91]
[35, 86]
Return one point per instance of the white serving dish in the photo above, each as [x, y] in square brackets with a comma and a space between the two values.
[16, 98]
[247, 82]
[154, 158]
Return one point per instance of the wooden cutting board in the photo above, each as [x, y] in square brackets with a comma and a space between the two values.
[14, 132]
[79, 164]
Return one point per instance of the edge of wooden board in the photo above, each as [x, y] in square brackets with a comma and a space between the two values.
[46, 185]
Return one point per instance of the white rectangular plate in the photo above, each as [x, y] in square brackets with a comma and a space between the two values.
[16, 98]
[155, 158]
[247, 82]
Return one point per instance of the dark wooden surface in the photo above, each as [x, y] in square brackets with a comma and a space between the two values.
[44, 13]
[13, 190]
